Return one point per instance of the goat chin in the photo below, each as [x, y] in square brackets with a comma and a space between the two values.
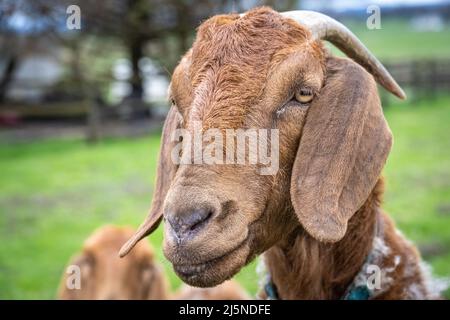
[213, 272]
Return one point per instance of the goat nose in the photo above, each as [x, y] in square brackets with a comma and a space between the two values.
[188, 222]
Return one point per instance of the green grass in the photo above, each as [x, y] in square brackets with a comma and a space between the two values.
[53, 194]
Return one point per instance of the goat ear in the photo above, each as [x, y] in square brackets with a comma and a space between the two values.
[156, 287]
[82, 275]
[164, 176]
[343, 148]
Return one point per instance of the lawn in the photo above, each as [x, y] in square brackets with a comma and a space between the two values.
[53, 194]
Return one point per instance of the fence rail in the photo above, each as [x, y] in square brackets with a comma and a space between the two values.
[421, 78]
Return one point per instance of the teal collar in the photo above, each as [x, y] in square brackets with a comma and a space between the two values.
[271, 290]
[355, 293]
[358, 293]
[359, 288]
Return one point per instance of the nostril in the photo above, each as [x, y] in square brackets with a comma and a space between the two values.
[188, 221]
[197, 218]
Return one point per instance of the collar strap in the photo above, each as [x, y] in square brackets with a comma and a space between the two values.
[359, 288]
[358, 293]
[270, 289]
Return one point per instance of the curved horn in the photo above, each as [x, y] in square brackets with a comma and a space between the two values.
[323, 27]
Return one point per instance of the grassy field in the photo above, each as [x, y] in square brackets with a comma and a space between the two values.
[53, 194]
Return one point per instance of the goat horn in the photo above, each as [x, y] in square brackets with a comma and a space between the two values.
[323, 27]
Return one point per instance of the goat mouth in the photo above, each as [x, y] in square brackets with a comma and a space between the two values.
[192, 273]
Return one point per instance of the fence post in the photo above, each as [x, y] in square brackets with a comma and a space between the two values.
[432, 78]
[93, 121]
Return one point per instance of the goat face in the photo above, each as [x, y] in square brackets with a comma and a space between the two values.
[267, 72]
[103, 275]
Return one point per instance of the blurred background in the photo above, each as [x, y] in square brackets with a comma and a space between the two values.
[81, 113]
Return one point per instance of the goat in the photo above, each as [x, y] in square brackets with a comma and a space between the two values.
[318, 219]
[228, 290]
[103, 275]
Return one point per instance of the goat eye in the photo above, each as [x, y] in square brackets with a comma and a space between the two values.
[304, 95]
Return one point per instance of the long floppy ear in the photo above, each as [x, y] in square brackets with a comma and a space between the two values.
[157, 287]
[343, 148]
[79, 271]
[165, 174]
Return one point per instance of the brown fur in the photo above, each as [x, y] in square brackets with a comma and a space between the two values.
[303, 268]
[316, 216]
[105, 276]
[229, 290]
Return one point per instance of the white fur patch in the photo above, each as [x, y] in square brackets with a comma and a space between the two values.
[365, 276]
[434, 285]
[261, 271]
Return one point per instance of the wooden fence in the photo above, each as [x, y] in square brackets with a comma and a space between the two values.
[422, 79]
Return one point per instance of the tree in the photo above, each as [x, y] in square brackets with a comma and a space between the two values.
[168, 26]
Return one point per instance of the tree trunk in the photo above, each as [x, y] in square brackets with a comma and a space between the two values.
[136, 52]
[7, 76]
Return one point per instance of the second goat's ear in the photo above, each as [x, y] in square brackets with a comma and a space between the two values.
[164, 176]
[343, 148]
[84, 264]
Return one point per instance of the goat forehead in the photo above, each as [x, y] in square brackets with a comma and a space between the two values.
[228, 38]
[241, 45]
[230, 62]
[225, 96]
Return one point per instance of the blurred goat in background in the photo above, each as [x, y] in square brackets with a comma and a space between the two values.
[105, 276]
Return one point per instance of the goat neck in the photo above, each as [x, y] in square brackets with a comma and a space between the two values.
[303, 268]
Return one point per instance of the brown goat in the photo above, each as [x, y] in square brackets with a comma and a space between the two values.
[318, 218]
[229, 290]
[105, 276]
